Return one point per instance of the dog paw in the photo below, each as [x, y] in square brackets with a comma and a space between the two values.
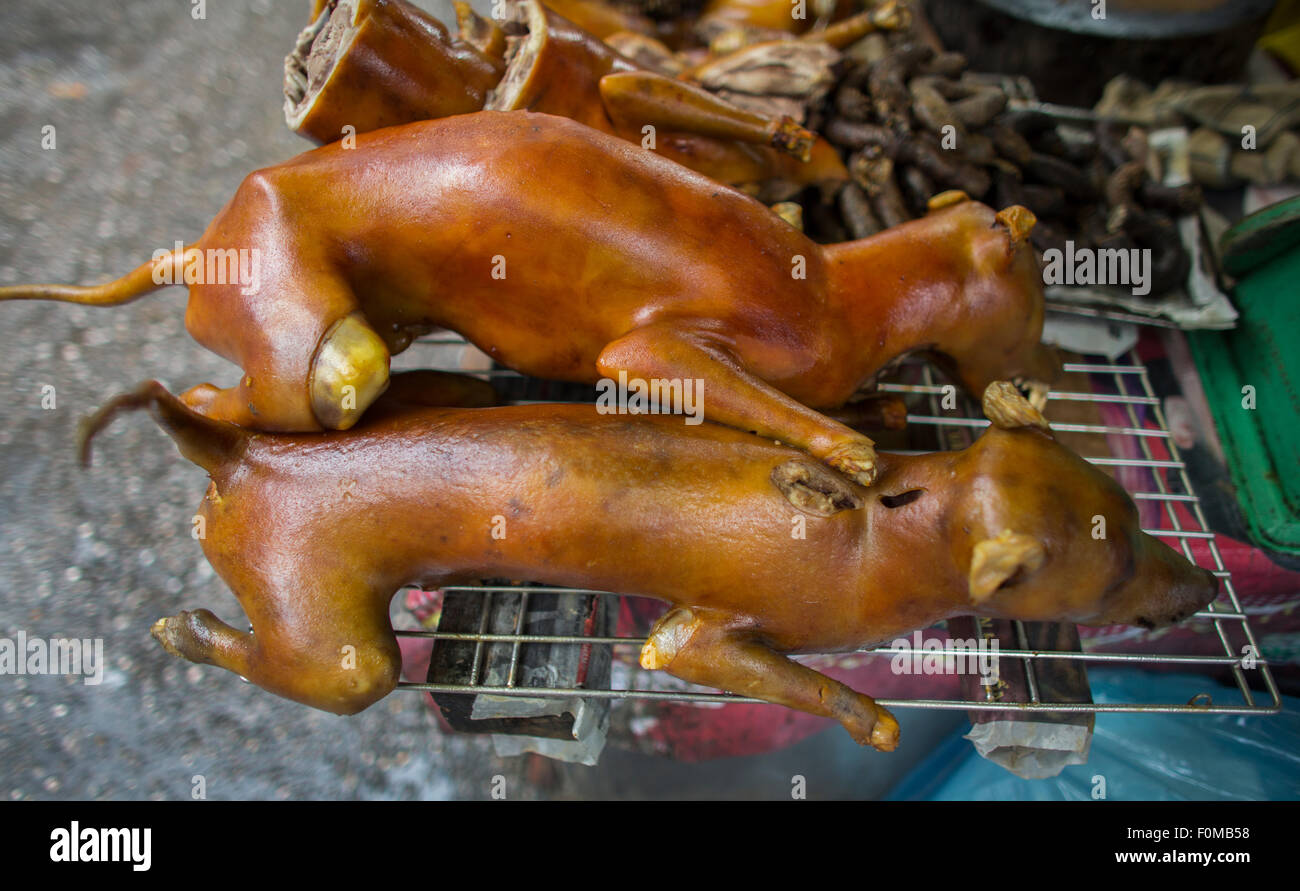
[669, 636]
[856, 460]
[182, 634]
[169, 633]
[871, 725]
[884, 736]
[1006, 407]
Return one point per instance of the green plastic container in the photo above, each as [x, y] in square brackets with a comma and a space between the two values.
[1261, 445]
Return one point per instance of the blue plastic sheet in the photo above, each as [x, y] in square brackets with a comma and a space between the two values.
[1139, 757]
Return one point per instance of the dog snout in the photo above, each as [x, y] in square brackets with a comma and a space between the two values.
[1187, 598]
[1167, 589]
[1197, 594]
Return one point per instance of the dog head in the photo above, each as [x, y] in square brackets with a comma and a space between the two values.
[1047, 536]
[1000, 280]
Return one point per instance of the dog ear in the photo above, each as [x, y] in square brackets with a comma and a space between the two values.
[1018, 221]
[997, 560]
[1005, 407]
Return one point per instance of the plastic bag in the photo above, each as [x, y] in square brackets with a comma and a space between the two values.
[1137, 757]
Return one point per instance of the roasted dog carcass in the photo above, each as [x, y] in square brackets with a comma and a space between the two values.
[315, 532]
[569, 254]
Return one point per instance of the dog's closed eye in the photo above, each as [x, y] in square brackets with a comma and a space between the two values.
[902, 498]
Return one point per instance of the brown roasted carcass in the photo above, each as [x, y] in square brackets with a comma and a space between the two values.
[315, 532]
[569, 254]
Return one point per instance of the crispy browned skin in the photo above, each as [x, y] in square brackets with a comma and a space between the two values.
[314, 534]
[571, 255]
[402, 67]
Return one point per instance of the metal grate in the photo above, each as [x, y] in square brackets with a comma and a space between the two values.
[1160, 463]
[1110, 315]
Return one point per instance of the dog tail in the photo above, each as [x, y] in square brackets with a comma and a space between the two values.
[142, 280]
[209, 443]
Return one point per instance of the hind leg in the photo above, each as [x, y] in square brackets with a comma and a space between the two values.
[406, 390]
[220, 405]
[200, 636]
[310, 359]
[341, 673]
[234, 406]
[698, 647]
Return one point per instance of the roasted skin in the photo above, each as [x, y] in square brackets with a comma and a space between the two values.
[368, 64]
[568, 254]
[315, 533]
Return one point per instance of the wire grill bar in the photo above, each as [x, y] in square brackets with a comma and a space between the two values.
[1162, 658]
[1171, 511]
[723, 698]
[1060, 428]
[1157, 458]
[1054, 395]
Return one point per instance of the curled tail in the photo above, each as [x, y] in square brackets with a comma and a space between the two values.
[210, 444]
[136, 283]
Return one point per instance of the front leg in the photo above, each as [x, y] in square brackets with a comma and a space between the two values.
[698, 647]
[735, 397]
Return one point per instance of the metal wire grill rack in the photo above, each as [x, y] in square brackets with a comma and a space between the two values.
[1151, 451]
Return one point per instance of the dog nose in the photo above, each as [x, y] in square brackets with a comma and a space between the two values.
[1191, 594]
[1175, 586]
[1165, 587]
[1203, 592]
